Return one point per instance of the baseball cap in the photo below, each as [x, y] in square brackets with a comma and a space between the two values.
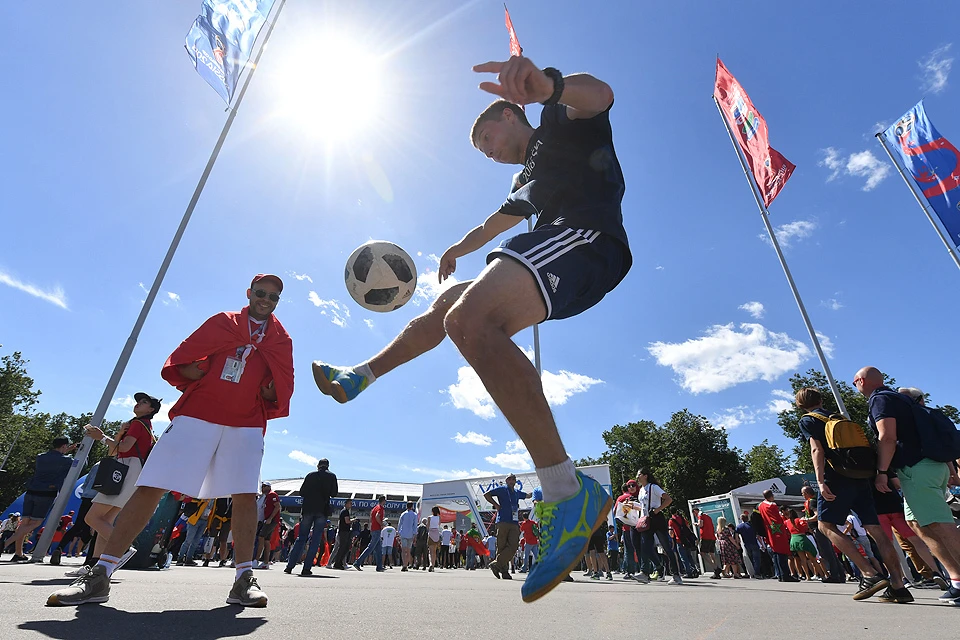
[154, 402]
[265, 484]
[267, 276]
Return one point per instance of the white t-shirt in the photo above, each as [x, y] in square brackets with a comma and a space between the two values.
[445, 536]
[858, 529]
[655, 498]
[387, 535]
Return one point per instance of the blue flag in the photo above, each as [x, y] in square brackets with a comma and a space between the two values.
[221, 40]
[933, 162]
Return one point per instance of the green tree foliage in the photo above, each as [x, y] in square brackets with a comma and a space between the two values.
[32, 432]
[688, 456]
[765, 461]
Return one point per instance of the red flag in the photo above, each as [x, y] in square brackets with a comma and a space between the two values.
[515, 48]
[770, 169]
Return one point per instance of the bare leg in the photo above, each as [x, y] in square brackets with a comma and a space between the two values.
[132, 519]
[501, 302]
[944, 542]
[244, 523]
[847, 548]
[101, 517]
[24, 529]
[888, 554]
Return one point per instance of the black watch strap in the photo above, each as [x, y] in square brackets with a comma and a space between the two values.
[557, 78]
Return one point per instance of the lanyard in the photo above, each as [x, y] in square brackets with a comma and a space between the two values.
[258, 333]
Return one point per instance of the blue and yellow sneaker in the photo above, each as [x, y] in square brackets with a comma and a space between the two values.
[565, 530]
[343, 384]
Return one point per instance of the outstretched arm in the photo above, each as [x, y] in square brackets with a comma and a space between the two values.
[522, 82]
[493, 226]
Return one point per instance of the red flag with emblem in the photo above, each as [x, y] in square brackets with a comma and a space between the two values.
[515, 48]
[770, 169]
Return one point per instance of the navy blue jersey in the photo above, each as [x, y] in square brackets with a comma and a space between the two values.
[571, 177]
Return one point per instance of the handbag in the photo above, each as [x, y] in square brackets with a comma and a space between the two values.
[644, 522]
[111, 475]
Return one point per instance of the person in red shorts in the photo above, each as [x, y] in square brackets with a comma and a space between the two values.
[235, 373]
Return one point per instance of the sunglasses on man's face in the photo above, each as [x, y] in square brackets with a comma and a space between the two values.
[260, 293]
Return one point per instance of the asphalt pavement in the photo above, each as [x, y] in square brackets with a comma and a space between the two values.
[188, 602]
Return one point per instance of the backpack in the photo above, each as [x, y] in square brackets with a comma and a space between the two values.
[848, 450]
[939, 437]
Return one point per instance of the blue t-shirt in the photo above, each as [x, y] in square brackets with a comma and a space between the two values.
[748, 535]
[887, 403]
[571, 177]
[408, 524]
[612, 544]
[52, 469]
[509, 500]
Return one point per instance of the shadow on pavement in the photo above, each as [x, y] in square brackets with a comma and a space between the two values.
[94, 621]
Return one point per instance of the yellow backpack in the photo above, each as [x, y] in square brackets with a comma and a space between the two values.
[848, 451]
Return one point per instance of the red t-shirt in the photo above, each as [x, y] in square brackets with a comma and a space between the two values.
[143, 434]
[232, 404]
[272, 502]
[798, 527]
[529, 537]
[376, 518]
[707, 531]
[675, 521]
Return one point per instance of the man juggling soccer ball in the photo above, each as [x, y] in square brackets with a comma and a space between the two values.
[578, 252]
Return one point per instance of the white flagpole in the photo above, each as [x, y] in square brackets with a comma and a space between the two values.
[926, 211]
[80, 457]
[764, 214]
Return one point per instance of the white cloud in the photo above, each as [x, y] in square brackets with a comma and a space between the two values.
[862, 164]
[57, 296]
[469, 393]
[284, 432]
[453, 474]
[831, 160]
[755, 309]
[515, 457]
[333, 309]
[301, 276]
[172, 298]
[368, 322]
[472, 437]
[429, 286]
[790, 232]
[866, 165]
[659, 268]
[782, 401]
[833, 304]
[734, 417]
[305, 458]
[826, 344]
[936, 69]
[725, 357]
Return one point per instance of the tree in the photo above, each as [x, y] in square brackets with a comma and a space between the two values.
[765, 461]
[16, 387]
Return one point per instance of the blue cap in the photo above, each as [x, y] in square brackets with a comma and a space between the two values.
[538, 494]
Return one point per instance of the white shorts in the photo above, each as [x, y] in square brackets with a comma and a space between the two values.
[205, 460]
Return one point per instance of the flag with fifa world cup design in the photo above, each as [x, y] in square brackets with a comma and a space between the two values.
[770, 169]
[933, 163]
[221, 40]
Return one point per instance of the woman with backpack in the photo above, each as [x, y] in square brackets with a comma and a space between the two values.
[652, 527]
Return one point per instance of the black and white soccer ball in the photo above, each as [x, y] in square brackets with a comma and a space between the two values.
[380, 276]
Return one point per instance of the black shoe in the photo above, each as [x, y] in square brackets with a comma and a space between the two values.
[305, 572]
[900, 596]
[506, 576]
[55, 558]
[569, 578]
[789, 579]
[403, 569]
[180, 562]
[870, 586]
[496, 571]
[288, 570]
[206, 563]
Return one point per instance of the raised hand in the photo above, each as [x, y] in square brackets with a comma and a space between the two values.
[448, 264]
[520, 80]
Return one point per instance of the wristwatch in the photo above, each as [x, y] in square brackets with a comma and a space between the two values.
[557, 78]
[882, 472]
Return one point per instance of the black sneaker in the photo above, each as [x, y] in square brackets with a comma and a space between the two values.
[506, 575]
[306, 572]
[17, 558]
[55, 558]
[900, 596]
[288, 570]
[870, 586]
[496, 570]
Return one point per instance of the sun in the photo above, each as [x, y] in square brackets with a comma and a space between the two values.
[331, 88]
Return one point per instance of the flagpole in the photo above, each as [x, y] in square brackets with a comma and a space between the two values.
[764, 214]
[926, 212]
[80, 457]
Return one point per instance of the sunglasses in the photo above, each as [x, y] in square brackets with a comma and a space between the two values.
[260, 293]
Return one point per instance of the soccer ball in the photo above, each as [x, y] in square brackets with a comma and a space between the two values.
[380, 276]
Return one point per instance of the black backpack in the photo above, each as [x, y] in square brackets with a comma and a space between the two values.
[939, 437]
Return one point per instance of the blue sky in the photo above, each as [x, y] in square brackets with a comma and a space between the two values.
[107, 128]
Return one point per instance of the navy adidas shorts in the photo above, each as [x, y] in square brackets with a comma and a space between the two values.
[574, 268]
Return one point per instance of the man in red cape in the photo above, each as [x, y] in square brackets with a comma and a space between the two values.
[235, 372]
[777, 535]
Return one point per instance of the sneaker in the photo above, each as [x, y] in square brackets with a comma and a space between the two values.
[628, 576]
[17, 558]
[506, 575]
[246, 592]
[565, 530]
[357, 567]
[595, 576]
[342, 384]
[870, 586]
[79, 572]
[609, 576]
[567, 578]
[55, 558]
[403, 569]
[951, 595]
[900, 596]
[125, 558]
[495, 570]
[222, 564]
[939, 582]
[430, 570]
[642, 578]
[288, 570]
[655, 575]
[93, 587]
[675, 580]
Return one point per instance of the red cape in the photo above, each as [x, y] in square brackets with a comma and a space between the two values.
[477, 545]
[225, 332]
